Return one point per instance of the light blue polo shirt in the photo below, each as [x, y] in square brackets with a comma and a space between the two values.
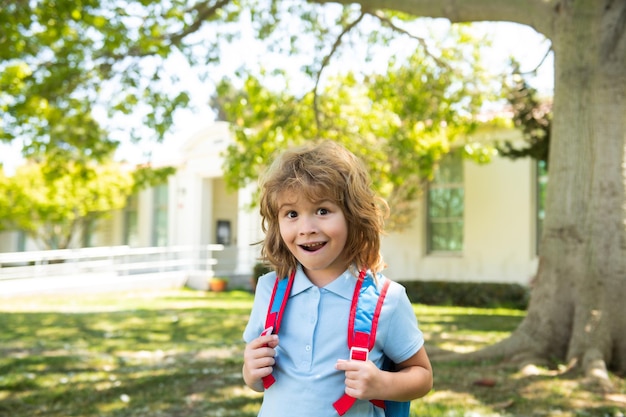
[313, 335]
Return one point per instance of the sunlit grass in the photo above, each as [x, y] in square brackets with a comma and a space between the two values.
[461, 330]
[179, 354]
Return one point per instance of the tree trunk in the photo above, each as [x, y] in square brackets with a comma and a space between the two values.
[576, 312]
[577, 302]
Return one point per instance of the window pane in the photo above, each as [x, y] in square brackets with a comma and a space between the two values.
[131, 224]
[450, 170]
[446, 206]
[159, 237]
[131, 231]
[89, 229]
[445, 202]
[447, 236]
[21, 241]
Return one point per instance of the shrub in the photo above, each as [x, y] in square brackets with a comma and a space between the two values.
[260, 269]
[466, 294]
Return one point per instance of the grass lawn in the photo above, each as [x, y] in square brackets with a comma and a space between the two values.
[178, 354]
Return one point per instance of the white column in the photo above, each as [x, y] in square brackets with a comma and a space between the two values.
[248, 231]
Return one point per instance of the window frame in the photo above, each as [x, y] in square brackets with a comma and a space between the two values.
[439, 183]
[160, 212]
[131, 221]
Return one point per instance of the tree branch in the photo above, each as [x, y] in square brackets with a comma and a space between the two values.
[204, 11]
[535, 13]
[386, 21]
[325, 63]
[534, 70]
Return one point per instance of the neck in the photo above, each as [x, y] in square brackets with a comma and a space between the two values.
[322, 278]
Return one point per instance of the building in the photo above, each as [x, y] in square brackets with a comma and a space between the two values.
[476, 223]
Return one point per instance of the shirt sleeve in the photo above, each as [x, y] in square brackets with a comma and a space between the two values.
[262, 295]
[402, 336]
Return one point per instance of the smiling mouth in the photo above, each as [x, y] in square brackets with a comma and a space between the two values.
[312, 247]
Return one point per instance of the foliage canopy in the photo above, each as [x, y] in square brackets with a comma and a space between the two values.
[53, 210]
[401, 122]
[55, 207]
[68, 70]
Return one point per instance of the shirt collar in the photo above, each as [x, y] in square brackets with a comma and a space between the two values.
[343, 285]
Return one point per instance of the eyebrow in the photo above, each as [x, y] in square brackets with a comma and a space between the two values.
[315, 203]
[325, 201]
[284, 205]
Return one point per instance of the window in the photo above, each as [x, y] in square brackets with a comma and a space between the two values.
[542, 182]
[223, 232]
[159, 226]
[88, 233]
[21, 241]
[131, 225]
[445, 206]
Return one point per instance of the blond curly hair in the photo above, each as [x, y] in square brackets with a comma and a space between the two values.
[323, 171]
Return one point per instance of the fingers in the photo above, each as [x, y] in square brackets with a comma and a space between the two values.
[262, 356]
[347, 365]
[258, 358]
[270, 340]
[261, 351]
[360, 377]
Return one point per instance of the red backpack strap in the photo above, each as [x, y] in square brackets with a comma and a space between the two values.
[367, 302]
[278, 302]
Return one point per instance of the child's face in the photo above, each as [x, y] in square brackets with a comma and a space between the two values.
[315, 233]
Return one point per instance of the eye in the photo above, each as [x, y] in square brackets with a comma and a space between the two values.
[291, 214]
[322, 211]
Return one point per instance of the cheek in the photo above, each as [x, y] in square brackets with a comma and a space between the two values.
[284, 232]
[343, 228]
[346, 243]
[346, 237]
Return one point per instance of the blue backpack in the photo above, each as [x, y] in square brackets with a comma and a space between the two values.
[367, 301]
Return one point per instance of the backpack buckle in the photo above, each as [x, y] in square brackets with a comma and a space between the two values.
[359, 353]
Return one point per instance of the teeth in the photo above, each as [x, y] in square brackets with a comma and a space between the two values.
[313, 245]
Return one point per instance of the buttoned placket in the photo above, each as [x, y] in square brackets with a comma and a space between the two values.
[310, 321]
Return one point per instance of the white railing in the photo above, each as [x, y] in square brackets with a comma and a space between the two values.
[113, 260]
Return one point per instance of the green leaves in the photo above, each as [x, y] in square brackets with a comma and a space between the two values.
[62, 60]
[532, 116]
[67, 69]
[400, 122]
[51, 210]
[53, 205]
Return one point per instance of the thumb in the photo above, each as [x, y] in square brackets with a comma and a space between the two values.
[342, 364]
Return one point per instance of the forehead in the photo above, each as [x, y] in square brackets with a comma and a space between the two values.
[307, 195]
[287, 197]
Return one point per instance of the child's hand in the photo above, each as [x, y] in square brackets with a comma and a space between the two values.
[363, 378]
[258, 360]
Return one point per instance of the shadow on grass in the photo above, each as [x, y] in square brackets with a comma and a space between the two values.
[179, 357]
[500, 389]
[201, 390]
[178, 354]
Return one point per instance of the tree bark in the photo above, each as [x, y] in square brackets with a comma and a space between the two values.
[581, 284]
[576, 312]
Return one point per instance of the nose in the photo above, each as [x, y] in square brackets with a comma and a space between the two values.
[308, 225]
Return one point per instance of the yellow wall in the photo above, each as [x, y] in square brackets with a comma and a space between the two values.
[499, 225]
